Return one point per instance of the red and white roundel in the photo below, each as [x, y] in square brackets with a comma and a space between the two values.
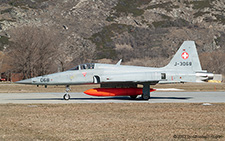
[185, 55]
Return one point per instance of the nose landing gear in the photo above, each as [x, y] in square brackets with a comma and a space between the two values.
[66, 95]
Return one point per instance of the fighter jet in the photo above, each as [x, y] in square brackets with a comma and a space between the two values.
[123, 80]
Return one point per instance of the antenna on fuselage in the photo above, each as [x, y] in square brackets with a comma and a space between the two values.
[118, 63]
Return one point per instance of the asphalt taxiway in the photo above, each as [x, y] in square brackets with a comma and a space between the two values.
[156, 97]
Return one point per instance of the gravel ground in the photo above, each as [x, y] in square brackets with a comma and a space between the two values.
[132, 121]
[112, 121]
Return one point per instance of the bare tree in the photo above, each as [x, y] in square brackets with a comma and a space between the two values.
[1, 60]
[213, 61]
[32, 51]
[75, 50]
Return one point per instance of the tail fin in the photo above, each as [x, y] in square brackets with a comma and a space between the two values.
[186, 58]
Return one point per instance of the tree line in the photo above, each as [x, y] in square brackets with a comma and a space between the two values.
[35, 51]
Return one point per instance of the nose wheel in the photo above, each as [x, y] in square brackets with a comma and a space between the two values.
[66, 95]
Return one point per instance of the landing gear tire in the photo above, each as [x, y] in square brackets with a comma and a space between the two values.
[66, 97]
[133, 96]
[145, 97]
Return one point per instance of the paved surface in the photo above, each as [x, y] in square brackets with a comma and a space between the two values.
[156, 97]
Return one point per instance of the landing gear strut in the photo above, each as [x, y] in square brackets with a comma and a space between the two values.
[66, 95]
[146, 91]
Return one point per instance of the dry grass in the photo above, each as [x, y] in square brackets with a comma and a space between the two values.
[112, 122]
[16, 88]
[195, 86]
[19, 88]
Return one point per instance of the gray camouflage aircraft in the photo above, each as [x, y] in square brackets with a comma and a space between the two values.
[122, 80]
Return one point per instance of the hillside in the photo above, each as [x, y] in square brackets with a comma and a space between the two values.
[141, 32]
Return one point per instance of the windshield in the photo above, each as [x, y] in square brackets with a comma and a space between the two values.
[84, 66]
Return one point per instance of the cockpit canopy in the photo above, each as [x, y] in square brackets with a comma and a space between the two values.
[84, 66]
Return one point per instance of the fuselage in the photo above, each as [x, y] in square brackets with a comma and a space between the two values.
[109, 73]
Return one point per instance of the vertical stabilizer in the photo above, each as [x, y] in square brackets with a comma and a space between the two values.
[186, 58]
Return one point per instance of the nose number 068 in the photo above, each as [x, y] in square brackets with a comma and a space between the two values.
[44, 79]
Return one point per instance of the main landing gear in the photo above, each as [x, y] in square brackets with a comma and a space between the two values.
[133, 96]
[144, 97]
[66, 95]
[146, 91]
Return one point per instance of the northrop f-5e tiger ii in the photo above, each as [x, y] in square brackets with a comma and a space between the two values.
[122, 80]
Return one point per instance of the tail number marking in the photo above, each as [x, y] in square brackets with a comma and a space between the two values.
[183, 64]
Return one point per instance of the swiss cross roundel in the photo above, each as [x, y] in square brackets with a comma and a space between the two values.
[185, 55]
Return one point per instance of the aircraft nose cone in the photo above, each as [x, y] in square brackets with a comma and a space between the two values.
[26, 81]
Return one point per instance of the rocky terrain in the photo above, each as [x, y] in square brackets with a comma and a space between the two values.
[141, 32]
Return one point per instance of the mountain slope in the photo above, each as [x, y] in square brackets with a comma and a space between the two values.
[130, 29]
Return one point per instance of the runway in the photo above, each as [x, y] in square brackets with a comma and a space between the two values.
[156, 97]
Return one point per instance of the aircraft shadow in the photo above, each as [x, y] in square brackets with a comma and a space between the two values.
[107, 98]
[104, 98]
[179, 98]
[129, 99]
